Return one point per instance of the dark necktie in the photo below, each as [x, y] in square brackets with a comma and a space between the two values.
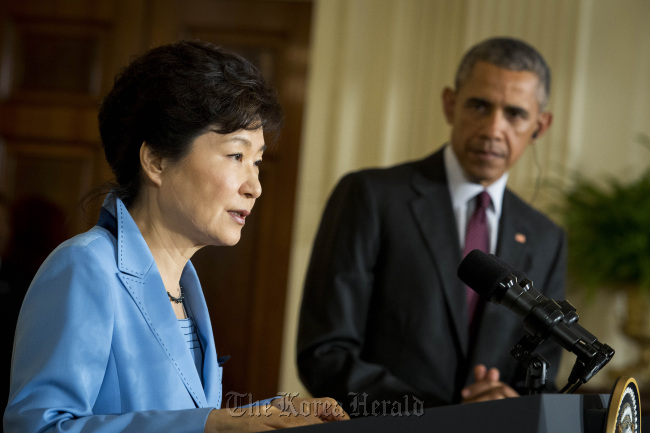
[476, 237]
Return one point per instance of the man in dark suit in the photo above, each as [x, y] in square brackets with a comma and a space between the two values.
[384, 317]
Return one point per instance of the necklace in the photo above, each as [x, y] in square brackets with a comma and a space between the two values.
[178, 300]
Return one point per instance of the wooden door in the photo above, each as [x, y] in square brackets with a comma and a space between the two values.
[57, 59]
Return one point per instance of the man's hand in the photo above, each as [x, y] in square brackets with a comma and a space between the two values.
[486, 386]
[284, 412]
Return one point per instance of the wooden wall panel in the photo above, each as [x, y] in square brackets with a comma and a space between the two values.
[59, 57]
[55, 60]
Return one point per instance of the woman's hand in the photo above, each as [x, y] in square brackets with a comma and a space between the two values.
[284, 412]
[325, 409]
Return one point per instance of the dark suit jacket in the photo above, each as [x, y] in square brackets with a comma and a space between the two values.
[383, 311]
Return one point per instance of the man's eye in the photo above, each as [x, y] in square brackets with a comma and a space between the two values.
[517, 114]
[477, 105]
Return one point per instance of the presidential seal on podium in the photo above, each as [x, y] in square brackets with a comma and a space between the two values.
[624, 414]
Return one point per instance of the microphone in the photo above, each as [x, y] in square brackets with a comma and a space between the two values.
[499, 283]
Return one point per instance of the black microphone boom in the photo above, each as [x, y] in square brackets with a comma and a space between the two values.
[498, 282]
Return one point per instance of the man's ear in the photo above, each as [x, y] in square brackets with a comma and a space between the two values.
[544, 122]
[152, 165]
[448, 104]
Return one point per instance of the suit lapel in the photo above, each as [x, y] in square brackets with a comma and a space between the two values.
[142, 279]
[512, 245]
[434, 215]
[195, 302]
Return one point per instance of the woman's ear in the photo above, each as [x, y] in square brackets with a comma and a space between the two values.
[152, 164]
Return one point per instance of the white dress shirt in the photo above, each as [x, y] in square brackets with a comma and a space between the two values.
[463, 193]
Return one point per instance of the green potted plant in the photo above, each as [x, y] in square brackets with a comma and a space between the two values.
[608, 228]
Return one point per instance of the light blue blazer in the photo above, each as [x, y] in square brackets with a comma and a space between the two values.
[98, 347]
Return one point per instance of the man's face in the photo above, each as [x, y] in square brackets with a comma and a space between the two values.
[494, 116]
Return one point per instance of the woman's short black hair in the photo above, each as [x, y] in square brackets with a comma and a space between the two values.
[174, 93]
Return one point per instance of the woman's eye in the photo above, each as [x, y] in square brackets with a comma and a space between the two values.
[237, 156]
[258, 163]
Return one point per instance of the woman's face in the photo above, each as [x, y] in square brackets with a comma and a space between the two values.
[206, 196]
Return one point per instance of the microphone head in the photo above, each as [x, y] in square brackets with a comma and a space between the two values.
[483, 273]
[514, 271]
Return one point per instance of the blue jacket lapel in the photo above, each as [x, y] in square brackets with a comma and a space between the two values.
[142, 279]
[195, 302]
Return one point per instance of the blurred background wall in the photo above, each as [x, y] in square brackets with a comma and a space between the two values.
[361, 82]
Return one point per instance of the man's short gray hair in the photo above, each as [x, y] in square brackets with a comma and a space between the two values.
[511, 54]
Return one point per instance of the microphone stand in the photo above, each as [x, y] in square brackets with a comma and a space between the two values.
[543, 318]
[591, 357]
[536, 365]
[591, 354]
[590, 360]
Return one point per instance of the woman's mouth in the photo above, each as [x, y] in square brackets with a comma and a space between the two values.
[239, 216]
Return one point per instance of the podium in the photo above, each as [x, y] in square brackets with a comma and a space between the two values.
[541, 413]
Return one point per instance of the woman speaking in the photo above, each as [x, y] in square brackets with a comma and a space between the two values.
[104, 341]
